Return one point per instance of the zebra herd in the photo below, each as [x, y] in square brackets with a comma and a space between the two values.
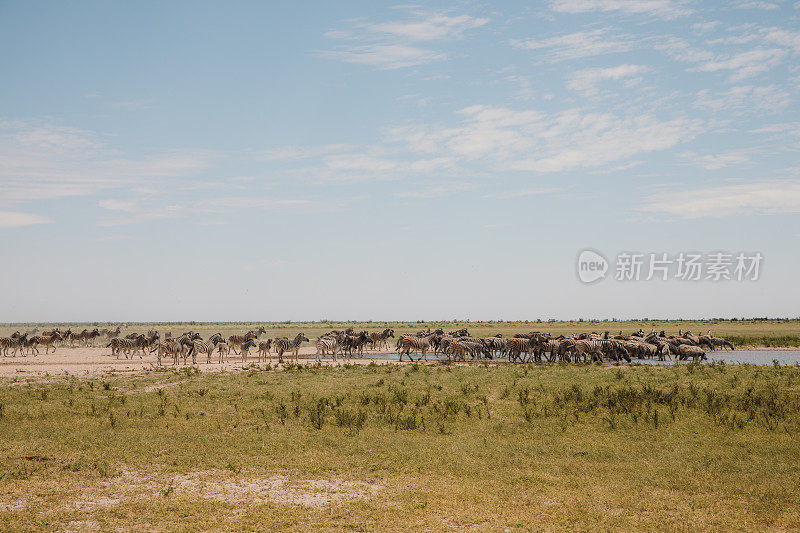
[537, 347]
[455, 345]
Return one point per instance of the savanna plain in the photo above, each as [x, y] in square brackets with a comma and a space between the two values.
[380, 446]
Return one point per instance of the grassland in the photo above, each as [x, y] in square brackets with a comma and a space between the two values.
[399, 447]
[754, 333]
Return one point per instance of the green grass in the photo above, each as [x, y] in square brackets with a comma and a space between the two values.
[768, 333]
[490, 446]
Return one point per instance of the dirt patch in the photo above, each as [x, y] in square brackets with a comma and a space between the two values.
[317, 493]
[222, 486]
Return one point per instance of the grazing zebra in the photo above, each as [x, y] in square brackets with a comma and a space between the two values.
[329, 343]
[236, 341]
[720, 342]
[206, 347]
[407, 344]
[378, 340]
[263, 350]
[284, 345]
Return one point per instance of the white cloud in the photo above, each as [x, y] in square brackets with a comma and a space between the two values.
[763, 197]
[756, 5]
[745, 64]
[437, 191]
[13, 219]
[744, 99]
[531, 191]
[385, 56]
[118, 205]
[716, 161]
[666, 9]
[41, 161]
[389, 45]
[577, 45]
[705, 27]
[585, 81]
[430, 27]
[508, 139]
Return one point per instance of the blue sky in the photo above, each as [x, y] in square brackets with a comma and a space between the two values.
[366, 160]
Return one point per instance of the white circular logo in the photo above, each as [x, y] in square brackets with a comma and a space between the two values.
[592, 266]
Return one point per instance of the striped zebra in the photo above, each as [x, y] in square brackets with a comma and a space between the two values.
[284, 345]
[206, 347]
[15, 341]
[379, 340]
[354, 344]
[236, 341]
[168, 347]
[264, 350]
[516, 346]
[245, 348]
[48, 341]
[688, 351]
[129, 347]
[411, 343]
[329, 343]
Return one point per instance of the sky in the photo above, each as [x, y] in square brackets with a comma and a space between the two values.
[373, 161]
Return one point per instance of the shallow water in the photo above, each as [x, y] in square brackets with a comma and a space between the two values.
[753, 357]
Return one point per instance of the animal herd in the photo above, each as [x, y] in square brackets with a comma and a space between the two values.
[454, 345]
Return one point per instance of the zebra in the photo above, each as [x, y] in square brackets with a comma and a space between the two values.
[223, 349]
[128, 346]
[206, 347]
[168, 347]
[245, 348]
[378, 340]
[284, 345]
[720, 342]
[355, 342]
[237, 340]
[264, 349]
[47, 341]
[115, 333]
[329, 343]
[516, 346]
[687, 351]
[16, 341]
[408, 343]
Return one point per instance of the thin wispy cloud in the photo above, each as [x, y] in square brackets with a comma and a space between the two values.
[14, 219]
[392, 44]
[745, 64]
[577, 45]
[666, 9]
[586, 81]
[765, 197]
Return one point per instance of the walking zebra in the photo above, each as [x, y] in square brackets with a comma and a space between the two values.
[378, 340]
[407, 344]
[236, 341]
[284, 345]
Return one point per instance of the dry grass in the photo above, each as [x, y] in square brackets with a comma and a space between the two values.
[390, 447]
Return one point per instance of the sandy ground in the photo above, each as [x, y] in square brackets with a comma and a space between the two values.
[98, 361]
